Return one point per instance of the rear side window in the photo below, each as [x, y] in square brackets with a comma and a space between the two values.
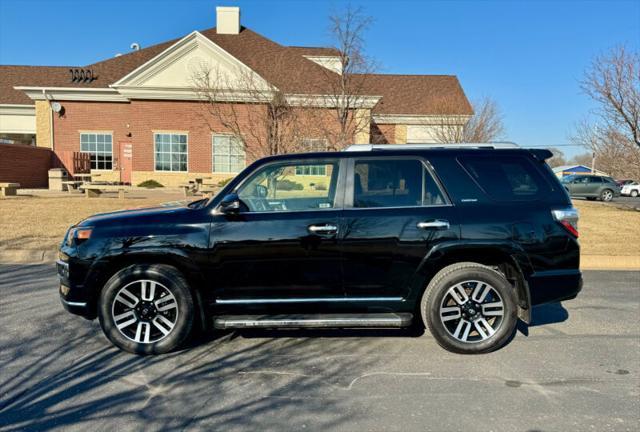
[595, 180]
[511, 178]
[394, 183]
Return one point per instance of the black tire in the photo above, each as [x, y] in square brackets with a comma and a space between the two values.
[438, 288]
[591, 198]
[171, 286]
[606, 195]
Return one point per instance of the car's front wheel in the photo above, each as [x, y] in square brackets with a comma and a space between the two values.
[146, 309]
[470, 308]
[634, 193]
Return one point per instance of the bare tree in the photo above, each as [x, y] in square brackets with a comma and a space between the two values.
[485, 125]
[612, 152]
[613, 136]
[613, 82]
[346, 87]
[582, 159]
[243, 104]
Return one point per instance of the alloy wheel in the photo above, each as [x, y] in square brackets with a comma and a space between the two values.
[472, 311]
[145, 311]
[607, 195]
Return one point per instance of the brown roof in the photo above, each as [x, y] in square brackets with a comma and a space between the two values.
[315, 51]
[11, 76]
[418, 94]
[283, 66]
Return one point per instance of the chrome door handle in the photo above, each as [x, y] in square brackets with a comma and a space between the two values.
[434, 224]
[323, 229]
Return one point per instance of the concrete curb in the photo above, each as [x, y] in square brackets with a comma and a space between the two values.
[27, 256]
[587, 262]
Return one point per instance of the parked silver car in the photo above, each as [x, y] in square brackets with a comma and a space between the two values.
[591, 187]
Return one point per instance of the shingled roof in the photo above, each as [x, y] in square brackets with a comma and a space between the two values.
[418, 94]
[283, 66]
[11, 76]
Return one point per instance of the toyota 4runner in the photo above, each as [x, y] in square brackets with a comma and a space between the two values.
[463, 240]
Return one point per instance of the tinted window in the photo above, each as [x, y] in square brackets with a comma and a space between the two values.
[394, 183]
[595, 180]
[506, 178]
[281, 187]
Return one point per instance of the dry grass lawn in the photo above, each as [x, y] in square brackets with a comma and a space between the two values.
[607, 230]
[39, 222]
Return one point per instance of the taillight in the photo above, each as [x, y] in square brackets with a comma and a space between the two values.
[568, 218]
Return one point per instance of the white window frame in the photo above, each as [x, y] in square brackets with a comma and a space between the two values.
[228, 155]
[97, 152]
[155, 152]
[307, 145]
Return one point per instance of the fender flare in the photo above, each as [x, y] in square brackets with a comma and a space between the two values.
[105, 266]
[483, 252]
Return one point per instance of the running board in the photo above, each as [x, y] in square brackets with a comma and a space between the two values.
[314, 321]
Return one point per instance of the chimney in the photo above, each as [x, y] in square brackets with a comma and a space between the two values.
[228, 19]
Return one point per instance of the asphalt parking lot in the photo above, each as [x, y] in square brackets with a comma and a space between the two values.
[577, 369]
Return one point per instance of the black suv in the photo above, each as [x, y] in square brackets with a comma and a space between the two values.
[463, 240]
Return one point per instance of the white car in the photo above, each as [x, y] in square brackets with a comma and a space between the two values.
[632, 189]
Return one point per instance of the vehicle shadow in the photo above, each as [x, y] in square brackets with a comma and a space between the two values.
[59, 372]
[544, 314]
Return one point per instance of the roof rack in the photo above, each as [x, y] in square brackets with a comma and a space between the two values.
[372, 147]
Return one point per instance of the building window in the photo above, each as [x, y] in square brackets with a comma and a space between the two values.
[100, 147]
[24, 139]
[170, 152]
[312, 145]
[228, 154]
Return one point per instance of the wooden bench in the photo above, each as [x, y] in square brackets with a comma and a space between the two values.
[95, 190]
[188, 188]
[72, 185]
[8, 189]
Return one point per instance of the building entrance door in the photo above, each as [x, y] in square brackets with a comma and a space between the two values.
[126, 159]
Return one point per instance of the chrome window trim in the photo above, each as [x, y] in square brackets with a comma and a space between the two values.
[308, 300]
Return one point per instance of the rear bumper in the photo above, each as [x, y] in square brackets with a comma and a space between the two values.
[554, 286]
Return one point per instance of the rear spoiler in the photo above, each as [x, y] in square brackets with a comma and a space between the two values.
[541, 154]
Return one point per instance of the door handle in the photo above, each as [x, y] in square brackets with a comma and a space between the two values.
[323, 229]
[434, 224]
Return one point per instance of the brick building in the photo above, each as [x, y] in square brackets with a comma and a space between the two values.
[139, 117]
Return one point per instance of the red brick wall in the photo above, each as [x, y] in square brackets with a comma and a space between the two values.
[141, 118]
[383, 133]
[26, 165]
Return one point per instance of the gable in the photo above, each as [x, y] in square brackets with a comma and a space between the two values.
[174, 69]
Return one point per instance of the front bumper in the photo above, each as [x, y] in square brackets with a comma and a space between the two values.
[72, 296]
[554, 286]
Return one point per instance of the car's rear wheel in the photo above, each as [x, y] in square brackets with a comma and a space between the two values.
[606, 195]
[146, 309]
[470, 308]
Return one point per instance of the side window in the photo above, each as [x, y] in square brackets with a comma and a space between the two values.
[506, 178]
[594, 179]
[279, 187]
[394, 183]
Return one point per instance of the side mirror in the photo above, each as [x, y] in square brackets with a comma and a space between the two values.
[230, 204]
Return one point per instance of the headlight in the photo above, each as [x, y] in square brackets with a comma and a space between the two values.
[79, 235]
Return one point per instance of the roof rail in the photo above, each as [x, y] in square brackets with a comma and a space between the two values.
[372, 147]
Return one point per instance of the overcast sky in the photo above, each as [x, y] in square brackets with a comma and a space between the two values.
[528, 56]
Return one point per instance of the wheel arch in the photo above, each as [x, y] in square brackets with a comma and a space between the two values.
[506, 257]
[107, 267]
